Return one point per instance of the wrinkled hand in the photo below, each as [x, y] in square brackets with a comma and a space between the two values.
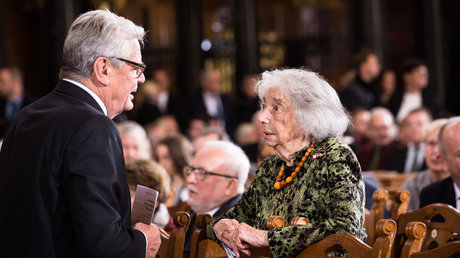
[250, 241]
[226, 231]
[241, 237]
[153, 238]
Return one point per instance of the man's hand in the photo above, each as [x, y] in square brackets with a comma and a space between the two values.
[153, 238]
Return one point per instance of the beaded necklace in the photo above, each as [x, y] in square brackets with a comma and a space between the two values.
[281, 184]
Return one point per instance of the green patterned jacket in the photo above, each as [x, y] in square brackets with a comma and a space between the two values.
[328, 191]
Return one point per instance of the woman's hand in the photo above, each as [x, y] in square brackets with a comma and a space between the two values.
[226, 230]
[251, 241]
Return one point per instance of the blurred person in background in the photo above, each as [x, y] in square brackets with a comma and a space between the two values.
[361, 91]
[211, 101]
[161, 128]
[211, 133]
[435, 171]
[412, 134]
[447, 190]
[374, 154]
[173, 153]
[148, 173]
[413, 95]
[134, 140]
[387, 86]
[12, 96]
[248, 104]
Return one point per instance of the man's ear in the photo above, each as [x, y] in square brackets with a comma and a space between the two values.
[232, 186]
[101, 69]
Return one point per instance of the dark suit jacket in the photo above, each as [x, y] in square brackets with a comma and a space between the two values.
[397, 160]
[223, 209]
[428, 100]
[365, 152]
[439, 192]
[4, 122]
[149, 112]
[198, 108]
[358, 94]
[63, 187]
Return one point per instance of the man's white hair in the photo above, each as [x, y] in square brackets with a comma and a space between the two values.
[235, 160]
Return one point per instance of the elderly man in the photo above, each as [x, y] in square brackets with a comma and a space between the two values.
[63, 185]
[374, 154]
[412, 133]
[12, 96]
[215, 180]
[448, 190]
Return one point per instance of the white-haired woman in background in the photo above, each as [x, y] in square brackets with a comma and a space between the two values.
[312, 174]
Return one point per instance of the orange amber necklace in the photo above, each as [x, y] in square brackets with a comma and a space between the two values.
[281, 184]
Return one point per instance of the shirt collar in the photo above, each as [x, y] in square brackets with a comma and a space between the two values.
[457, 191]
[90, 92]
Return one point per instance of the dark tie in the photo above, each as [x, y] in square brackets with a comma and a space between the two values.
[414, 161]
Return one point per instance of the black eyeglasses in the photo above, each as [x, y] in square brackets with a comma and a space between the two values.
[139, 67]
[201, 173]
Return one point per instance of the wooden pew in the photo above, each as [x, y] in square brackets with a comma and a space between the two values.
[385, 230]
[438, 234]
[173, 245]
[201, 246]
[380, 198]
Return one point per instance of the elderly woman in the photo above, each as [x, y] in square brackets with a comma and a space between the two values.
[312, 174]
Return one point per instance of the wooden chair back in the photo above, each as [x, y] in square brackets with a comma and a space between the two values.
[415, 232]
[438, 233]
[385, 230]
[400, 201]
[376, 213]
[201, 246]
[183, 206]
[173, 245]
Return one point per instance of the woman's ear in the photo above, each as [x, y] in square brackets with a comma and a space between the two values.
[101, 69]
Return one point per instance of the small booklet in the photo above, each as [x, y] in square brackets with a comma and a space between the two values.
[144, 205]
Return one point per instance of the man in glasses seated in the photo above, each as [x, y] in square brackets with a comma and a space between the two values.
[215, 181]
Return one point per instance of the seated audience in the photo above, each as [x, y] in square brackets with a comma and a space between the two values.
[173, 153]
[134, 140]
[215, 181]
[435, 172]
[358, 129]
[412, 131]
[12, 96]
[361, 91]
[213, 103]
[150, 174]
[374, 154]
[247, 138]
[448, 190]
[386, 87]
[161, 128]
[313, 174]
[209, 134]
[247, 104]
[413, 95]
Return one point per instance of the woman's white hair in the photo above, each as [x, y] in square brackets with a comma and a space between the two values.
[94, 34]
[235, 160]
[318, 109]
[133, 129]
